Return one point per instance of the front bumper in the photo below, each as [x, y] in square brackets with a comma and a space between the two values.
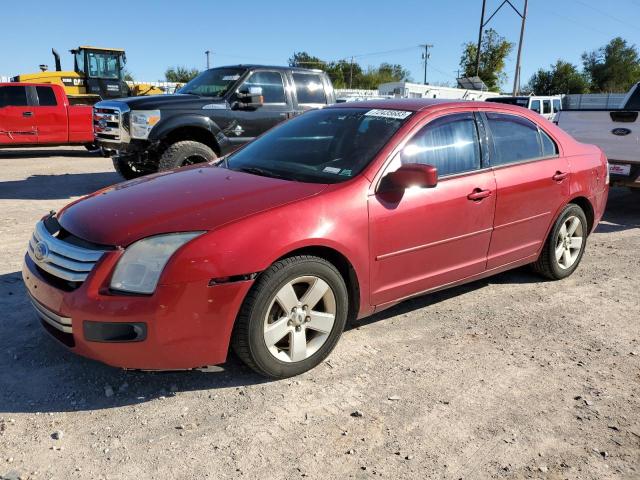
[188, 325]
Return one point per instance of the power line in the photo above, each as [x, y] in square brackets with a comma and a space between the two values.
[606, 14]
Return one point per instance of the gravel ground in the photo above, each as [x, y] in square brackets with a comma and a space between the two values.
[509, 377]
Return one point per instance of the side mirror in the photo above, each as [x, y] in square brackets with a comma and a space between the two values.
[413, 175]
[249, 97]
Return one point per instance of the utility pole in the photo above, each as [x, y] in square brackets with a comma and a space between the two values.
[425, 55]
[516, 80]
[523, 16]
[351, 73]
[482, 24]
[207, 52]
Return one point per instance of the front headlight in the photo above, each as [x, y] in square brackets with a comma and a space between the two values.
[142, 121]
[139, 269]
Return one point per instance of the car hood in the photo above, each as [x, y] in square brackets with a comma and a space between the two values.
[187, 199]
[168, 102]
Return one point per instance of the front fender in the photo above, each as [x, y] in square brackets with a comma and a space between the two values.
[165, 127]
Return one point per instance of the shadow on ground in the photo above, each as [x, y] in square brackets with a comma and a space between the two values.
[50, 187]
[622, 213]
[43, 153]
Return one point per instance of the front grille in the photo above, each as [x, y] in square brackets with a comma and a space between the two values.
[110, 122]
[60, 258]
[51, 318]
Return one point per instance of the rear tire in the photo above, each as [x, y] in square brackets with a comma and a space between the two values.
[563, 249]
[184, 153]
[292, 318]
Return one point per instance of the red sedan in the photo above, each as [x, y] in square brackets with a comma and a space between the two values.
[336, 214]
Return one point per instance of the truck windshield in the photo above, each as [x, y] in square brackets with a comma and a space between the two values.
[322, 146]
[213, 83]
[104, 65]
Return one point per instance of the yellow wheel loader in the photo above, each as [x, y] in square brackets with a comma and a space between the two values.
[98, 74]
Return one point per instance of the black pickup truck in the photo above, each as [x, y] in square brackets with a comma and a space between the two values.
[213, 114]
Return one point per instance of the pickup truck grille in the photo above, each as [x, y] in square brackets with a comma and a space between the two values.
[61, 259]
[110, 122]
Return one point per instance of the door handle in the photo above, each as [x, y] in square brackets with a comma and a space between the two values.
[27, 114]
[559, 176]
[479, 194]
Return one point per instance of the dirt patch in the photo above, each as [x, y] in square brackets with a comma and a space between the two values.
[509, 377]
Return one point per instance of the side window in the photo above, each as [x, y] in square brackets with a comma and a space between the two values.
[46, 97]
[13, 96]
[448, 143]
[549, 147]
[557, 105]
[271, 84]
[535, 106]
[309, 88]
[514, 138]
[546, 106]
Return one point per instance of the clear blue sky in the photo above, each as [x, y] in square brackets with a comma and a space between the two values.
[162, 33]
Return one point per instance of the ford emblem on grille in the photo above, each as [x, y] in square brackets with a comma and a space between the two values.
[41, 251]
[621, 132]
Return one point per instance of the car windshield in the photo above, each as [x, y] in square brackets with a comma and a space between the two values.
[322, 146]
[213, 83]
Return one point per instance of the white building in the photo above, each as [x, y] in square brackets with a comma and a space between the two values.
[418, 90]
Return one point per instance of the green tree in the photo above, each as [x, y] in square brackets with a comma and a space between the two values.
[493, 52]
[304, 60]
[561, 77]
[180, 74]
[614, 67]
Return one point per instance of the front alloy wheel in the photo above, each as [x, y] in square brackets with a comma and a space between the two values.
[300, 319]
[292, 318]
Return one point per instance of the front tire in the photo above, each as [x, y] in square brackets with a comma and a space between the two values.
[187, 152]
[563, 249]
[292, 317]
[130, 169]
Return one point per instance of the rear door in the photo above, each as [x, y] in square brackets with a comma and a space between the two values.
[50, 117]
[532, 181]
[17, 122]
[425, 238]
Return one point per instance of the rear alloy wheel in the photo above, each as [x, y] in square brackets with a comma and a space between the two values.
[184, 153]
[565, 245]
[292, 318]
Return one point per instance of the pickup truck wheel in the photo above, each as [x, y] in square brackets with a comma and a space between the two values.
[92, 147]
[292, 317]
[565, 245]
[129, 169]
[184, 153]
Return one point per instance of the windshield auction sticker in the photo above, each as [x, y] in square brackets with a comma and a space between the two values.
[397, 114]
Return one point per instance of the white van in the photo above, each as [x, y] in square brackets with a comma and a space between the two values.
[547, 106]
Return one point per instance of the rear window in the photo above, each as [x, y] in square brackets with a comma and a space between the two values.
[515, 138]
[519, 101]
[546, 105]
[13, 96]
[309, 88]
[46, 97]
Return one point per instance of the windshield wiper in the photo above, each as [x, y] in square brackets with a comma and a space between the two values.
[259, 171]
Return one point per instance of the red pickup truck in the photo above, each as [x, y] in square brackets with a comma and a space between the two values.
[34, 114]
